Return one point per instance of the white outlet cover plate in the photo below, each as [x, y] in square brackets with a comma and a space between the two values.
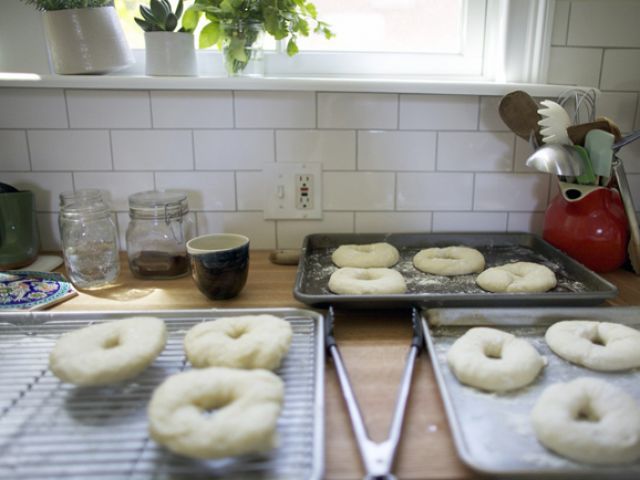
[280, 184]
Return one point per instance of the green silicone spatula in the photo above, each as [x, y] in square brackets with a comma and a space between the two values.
[599, 145]
[588, 177]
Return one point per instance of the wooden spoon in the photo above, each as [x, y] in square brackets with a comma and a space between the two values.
[520, 113]
[578, 133]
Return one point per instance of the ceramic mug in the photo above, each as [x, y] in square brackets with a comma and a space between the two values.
[219, 264]
[19, 239]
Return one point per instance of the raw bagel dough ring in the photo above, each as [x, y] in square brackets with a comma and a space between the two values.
[246, 406]
[493, 360]
[602, 346]
[588, 420]
[449, 261]
[108, 352]
[373, 255]
[517, 277]
[374, 281]
[249, 341]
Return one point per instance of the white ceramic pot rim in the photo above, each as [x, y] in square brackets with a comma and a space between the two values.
[215, 242]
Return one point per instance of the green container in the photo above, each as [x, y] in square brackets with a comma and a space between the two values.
[19, 238]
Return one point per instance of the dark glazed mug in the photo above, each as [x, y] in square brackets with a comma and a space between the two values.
[219, 264]
[19, 239]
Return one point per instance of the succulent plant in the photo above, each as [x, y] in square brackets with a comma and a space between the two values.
[158, 17]
[49, 5]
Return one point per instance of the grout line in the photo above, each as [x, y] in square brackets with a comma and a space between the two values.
[26, 139]
[317, 114]
[473, 192]
[233, 109]
[566, 35]
[193, 150]
[601, 73]
[398, 112]
[66, 108]
[150, 109]
[113, 162]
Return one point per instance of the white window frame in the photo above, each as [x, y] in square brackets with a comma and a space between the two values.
[515, 49]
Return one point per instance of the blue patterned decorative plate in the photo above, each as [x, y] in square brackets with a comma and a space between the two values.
[26, 290]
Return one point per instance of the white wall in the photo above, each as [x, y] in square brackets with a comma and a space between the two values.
[391, 162]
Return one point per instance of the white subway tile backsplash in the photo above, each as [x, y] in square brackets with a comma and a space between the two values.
[490, 115]
[205, 190]
[261, 232]
[116, 185]
[49, 232]
[393, 222]
[32, 108]
[434, 191]
[14, 154]
[523, 151]
[620, 107]
[621, 70]
[152, 149]
[335, 149]
[610, 23]
[191, 109]
[630, 155]
[108, 109]
[251, 190]
[69, 149]
[357, 191]
[469, 222]
[560, 23]
[530, 222]
[358, 110]
[233, 149]
[475, 151]
[575, 66]
[275, 109]
[291, 233]
[511, 192]
[46, 187]
[439, 112]
[396, 150]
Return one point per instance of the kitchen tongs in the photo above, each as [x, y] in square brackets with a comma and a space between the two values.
[377, 457]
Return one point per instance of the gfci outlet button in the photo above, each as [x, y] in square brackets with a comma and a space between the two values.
[292, 190]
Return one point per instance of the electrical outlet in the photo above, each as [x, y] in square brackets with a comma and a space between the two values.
[293, 190]
[304, 191]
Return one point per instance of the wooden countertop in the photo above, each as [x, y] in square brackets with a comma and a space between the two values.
[373, 345]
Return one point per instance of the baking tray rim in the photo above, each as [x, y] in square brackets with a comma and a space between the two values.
[426, 300]
[318, 455]
[453, 420]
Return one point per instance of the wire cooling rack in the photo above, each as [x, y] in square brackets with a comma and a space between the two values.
[50, 429]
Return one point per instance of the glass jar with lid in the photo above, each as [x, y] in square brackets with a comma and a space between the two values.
[158, 231]
[89, 239]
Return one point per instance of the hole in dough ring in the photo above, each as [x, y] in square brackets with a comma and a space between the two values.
[493, 360]
[373, 255]
[588, 420]
[217, 412]
[366, 281]
[249, 341]
[449, 261]
[517, 277]
[602, 346]
[108, 352]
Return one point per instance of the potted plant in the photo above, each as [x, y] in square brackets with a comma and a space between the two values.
[83, 36]
[237, 26]
[168, 51]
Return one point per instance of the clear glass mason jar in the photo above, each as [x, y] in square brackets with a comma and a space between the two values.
[89, 239]
[158, 231]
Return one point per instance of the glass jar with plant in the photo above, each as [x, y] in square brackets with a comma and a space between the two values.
[83, 36]
[236, 27]
[169, 50]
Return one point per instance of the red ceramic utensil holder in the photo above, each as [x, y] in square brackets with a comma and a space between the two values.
[590, 225]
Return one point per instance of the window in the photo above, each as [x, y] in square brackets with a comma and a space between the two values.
[381, 37]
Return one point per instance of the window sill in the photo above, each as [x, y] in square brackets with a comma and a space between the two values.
[283, 83]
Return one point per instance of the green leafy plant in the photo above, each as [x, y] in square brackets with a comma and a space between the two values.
[49, 5]
[227, 22]
[158, 17]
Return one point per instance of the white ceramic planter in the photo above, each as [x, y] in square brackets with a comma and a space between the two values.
[86, 40]
[170, 54]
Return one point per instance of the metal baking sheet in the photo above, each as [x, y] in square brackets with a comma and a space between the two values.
[577, 285]
[492, 432]
[50, 429]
